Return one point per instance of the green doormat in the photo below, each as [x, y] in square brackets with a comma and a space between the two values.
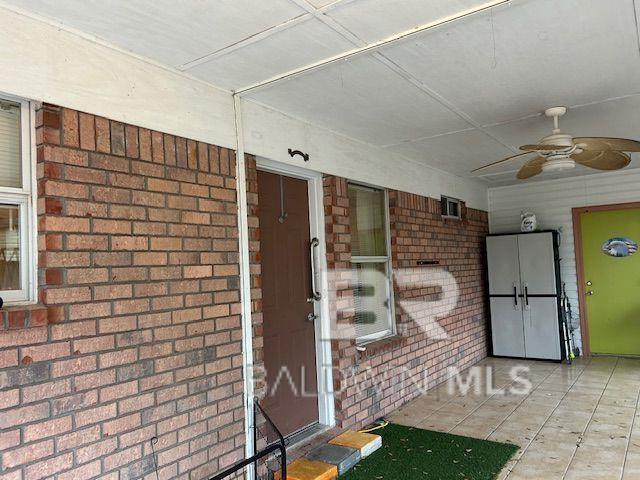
[411, 453]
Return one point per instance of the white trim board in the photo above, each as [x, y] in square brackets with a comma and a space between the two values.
[269, 133]
[324, 365]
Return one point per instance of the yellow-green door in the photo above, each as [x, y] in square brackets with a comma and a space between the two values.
[612, 280]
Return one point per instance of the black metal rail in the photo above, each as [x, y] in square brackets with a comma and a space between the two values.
[279, 446]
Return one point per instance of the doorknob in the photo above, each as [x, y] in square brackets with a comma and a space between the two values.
[311, 317]
[589, 283]
[590, 292]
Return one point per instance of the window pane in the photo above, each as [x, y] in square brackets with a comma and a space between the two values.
[10, 171]
[9, 247]
[367, 221]
[371, 298]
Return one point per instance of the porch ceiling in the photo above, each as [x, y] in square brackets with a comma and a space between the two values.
[454, 97]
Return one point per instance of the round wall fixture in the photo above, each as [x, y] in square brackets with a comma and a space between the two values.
[619, 247]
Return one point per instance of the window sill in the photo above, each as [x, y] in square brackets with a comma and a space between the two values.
[380, 345]
[16, 317]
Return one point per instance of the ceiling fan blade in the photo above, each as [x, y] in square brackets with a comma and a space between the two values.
[608, 160]
[542, 148]
[531, 168]
[500, 161]
[604, 144]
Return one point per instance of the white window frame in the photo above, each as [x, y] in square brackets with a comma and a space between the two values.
[387, 260]
[448, 201]
[25, 198]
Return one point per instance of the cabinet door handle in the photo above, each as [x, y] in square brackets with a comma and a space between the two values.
[526, 296]
[515, 296]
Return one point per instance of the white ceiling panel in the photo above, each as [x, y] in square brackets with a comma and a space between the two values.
[374, 20]
[283, 51]
[546, 52]
[323, 3]
[457, 153]
[172, 32]
[363, 99]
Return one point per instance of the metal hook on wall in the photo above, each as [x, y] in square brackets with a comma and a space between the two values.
[293, 153]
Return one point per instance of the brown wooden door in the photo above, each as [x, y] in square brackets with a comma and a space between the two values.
[289, 337]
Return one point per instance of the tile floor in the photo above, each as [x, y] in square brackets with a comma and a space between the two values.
[577, 421]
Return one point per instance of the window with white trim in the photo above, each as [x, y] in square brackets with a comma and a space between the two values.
[371, 263]
[17, 218]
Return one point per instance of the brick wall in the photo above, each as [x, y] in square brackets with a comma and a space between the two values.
[137, 332]
[372, 384]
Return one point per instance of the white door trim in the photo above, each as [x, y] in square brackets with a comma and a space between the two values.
[324, 364]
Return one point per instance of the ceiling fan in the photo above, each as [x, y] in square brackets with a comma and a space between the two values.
[560, 151]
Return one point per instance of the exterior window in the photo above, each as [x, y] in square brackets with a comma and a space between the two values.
[450, 208]
[17, 222]
[371, 263]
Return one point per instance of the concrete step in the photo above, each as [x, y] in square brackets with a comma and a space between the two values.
[329, 460]
[305, 469]
[366, 443]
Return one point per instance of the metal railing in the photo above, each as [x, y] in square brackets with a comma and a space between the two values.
[279, 446]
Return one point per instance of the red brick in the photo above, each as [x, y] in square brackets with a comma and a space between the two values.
[43, 353]
[131, 136]
[87, 242]
[103, 135]
[49, 467]
[18, 416]
[108, 162]
[130, 306]
[157, 143]
[87, 132]
[70, 129]
[28, 454]
[117, 138]
[105, 292]
[50, 428]
[110, 195]
[46, 391]
[67, 295]
[145, 144]
[88, 470]
[9, 398]
[94, 344]
[64, 224]
[95, 415]
[89, 310]
[23, 337]
[9, 439]
[87, 275]
[129, 243]
[8, 358]
[74, 366]
[111, 226]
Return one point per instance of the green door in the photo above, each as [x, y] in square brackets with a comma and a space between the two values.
[612, 280]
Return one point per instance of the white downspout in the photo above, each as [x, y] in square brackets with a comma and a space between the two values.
[245, 286]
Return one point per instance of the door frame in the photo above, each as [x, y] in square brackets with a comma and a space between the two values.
[577, 247]
[324, 363]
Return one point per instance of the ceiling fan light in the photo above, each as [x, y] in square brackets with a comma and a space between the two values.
[558, 165]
